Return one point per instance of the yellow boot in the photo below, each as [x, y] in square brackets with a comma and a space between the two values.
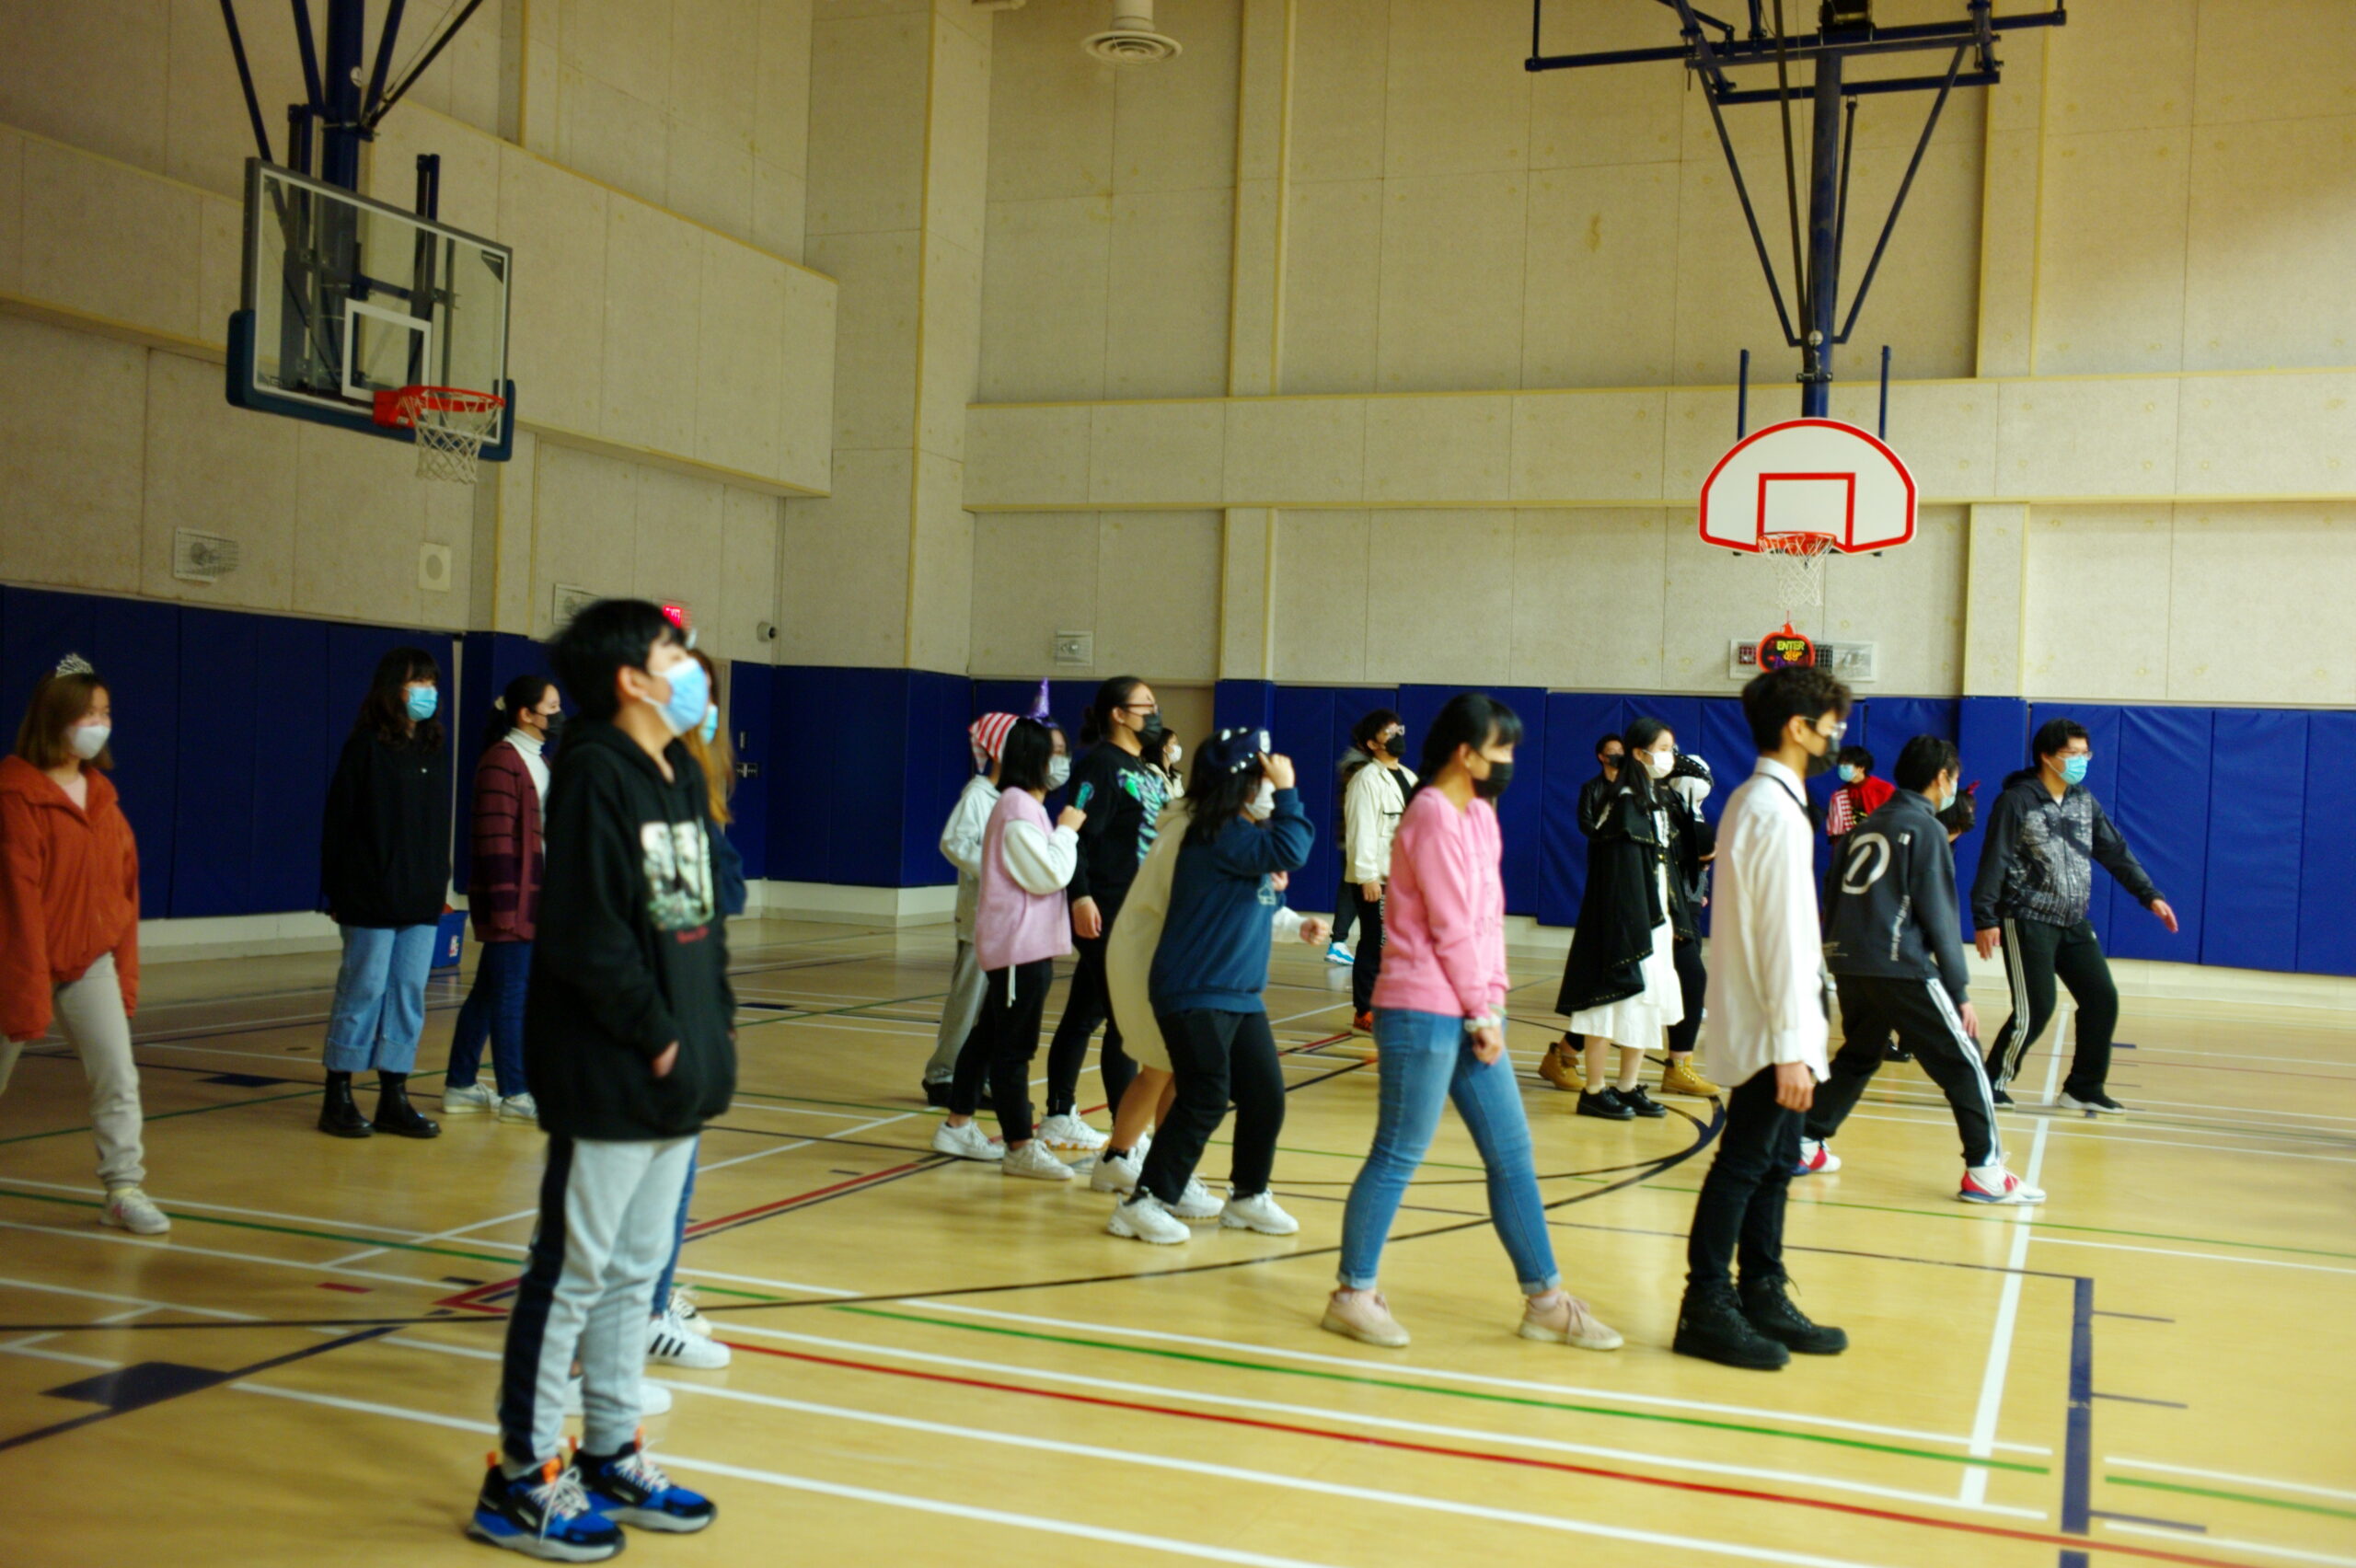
[1561, 1067]
[1680, 1077]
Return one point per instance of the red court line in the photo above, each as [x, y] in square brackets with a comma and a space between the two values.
[1856, 1510]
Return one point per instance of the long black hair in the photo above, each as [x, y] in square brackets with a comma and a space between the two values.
[386, 708]
[1470, 719]
[1635, 776]
[1096, 724]
[523, 692]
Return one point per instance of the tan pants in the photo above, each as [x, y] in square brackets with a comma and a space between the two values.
[89, 1013]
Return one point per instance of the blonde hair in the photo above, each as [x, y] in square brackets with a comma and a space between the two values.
[715, 756]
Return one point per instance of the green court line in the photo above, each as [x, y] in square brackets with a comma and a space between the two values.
[2231, 1496]
[167, 1116]
[1198, 1358]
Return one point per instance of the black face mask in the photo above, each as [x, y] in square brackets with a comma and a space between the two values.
[554, 724]
[1395, 745]
[1612, 761]
[1824, 764]
[1150, 738]
[1501, 775]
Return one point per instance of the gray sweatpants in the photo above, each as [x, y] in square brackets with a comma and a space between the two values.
[610, 1213]
[89, 1014]
[960, 1010]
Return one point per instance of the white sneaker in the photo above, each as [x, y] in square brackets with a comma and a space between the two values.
[464, 1101]
[968, 1142]
[130, 1210]
[1994, 1184]
[1069, 1131]
[1119, 1175]
[1339, 952]
[682, 1309]
[1145, 1147]
[1032, 1159]
[519, 1108]
[1196, 1203]
[1258, 1213]
[670, 1342]
[1144, 1218]
[1816, 1159]
[653, 1398]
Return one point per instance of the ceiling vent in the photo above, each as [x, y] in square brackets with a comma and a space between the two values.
[201, 558]
[1132, 40]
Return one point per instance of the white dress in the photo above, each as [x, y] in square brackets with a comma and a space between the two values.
[1640, 1021]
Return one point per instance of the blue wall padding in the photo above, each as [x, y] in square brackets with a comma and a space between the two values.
[940, 760]
[752, 698]
[1236, 704]
[1302, 728]
[217, 814]
[289, 801]
[2161, 802]
[2327, 848]
[1574, 720]
[1992, 732]
[2258, 759]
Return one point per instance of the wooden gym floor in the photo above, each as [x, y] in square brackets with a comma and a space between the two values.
[933, 1364]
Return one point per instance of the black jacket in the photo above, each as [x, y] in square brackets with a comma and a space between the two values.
[631, 954]
[1122, 796]
[1893, 914]
[1625, 852]
[385, 839]
[1594, 796]
[2037, 858]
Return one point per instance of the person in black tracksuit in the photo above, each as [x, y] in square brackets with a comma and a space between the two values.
[1894, 942]
[2046, 834]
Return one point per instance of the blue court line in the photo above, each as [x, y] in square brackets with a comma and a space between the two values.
[2077, 1453]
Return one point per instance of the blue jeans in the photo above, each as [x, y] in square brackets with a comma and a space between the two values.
[494, 1007]
[678, 1234]
[1428, 1060]
[380, 1007]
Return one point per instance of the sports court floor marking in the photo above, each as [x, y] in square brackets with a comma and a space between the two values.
[2008, 1304]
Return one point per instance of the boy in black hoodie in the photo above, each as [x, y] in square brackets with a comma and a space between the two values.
[628, 1043]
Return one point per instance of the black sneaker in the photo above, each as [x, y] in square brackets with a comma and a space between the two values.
[1710, 1325]
[1999, 1097]
[1639, 1103]
[2092, 1104]
[631, 1489]
[1770, 1311]
[1606, 1103]
[542, 1514]
[1891, 1050]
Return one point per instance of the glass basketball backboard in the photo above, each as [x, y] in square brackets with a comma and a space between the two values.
[345, 297]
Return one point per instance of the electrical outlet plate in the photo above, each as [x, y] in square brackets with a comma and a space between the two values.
[1074, 650]
[1852, 662]
[434, 568]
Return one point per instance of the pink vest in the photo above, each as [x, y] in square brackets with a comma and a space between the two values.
[1013, 925]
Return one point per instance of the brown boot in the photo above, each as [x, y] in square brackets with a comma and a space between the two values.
[1561, 1067]
[1680, 1077]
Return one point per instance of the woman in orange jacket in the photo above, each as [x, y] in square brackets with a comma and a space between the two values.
[69, 903]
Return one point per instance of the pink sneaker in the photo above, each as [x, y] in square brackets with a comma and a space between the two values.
[1816, 1159]
[1994, 1184]
[1363, 1315]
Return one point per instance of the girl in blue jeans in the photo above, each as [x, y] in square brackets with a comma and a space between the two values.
[1440, 1025]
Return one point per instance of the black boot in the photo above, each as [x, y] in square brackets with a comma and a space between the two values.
[394, 1112]
[1710, 1325]
[1768, 1306]
[935, 1094]
[337, 1115]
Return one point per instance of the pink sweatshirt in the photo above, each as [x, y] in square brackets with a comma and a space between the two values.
[1444, 913]
[1012, 924]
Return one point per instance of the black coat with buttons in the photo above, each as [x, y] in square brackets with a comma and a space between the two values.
[1625, 852]
[384, 843]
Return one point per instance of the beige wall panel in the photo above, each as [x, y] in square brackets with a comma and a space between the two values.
[1156, 454]
[207, 137]
[2086, 438]
[360, 516]
[2286, 570]
[12, 201]
[2124, 67]
[1621, 114]
[1714, 596]
[876, 353]
[738, 392]
[2272, 227]
[1261, 91]
[1454, 449]
[1438, 584]
[556, 324]
[1589, 446]
[626, 42]
[778, 197]
[2018, 103]
[844, 10]
[653, 308]
[2267, 435]
[1247, 566]
[1034, 574]
[2008, 253]
[1699, 427]
[867, 120]
[1332, 288]
[1252, 314]
[1157, 595]
[110, 240]
[450, 522]
[1925, 300]
[709, 179]
[2112, 285]
[49, 85]
[714, 76]
[807, 382]
[939, 613]
[1341, 56]
[1944, 432]
[1296, 449]
[781, 90]
[680, 536]
[220, 267]
[1167, 285]
[956, 186]
[612, 136]
[1595, 312]
[1044, 299]
[2097, 577]
[952, 343]
[2274, 60]
[502, 590]
[1459, 100]
[1910, 602]
[1038, 456]
[747, 576]
[1320, 616]
[1723, 305]
[585, 528]
[219, 470]
[1996, 558]
[1051, 109]
[843, 578]
[1452, 289]
[543, 91]
[1587, 602]
[1173, 126]
[70, 459]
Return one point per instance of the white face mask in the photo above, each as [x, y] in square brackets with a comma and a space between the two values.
[1263, 804]
[1658, 764]
[88, 740]
[1695, 790]
[1058, 772]
[1177, 754]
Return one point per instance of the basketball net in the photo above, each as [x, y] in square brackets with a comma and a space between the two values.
[1798, 559]
[452, 425]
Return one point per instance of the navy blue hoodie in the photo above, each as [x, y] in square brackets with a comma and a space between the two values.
[1215, 939]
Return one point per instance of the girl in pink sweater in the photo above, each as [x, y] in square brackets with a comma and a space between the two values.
[1440, 1025]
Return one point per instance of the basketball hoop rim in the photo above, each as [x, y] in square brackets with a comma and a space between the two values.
[399, 406]
[1799, 542]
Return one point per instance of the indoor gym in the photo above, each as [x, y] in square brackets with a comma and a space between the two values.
[1345, 356]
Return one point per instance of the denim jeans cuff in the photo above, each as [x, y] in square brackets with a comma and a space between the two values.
[1347, 1283]
[1553, 1283]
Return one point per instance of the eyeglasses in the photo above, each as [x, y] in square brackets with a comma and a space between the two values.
[1840, 727]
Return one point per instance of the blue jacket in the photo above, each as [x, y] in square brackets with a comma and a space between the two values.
[1213, 952]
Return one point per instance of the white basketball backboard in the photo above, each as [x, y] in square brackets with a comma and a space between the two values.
[1808, 477]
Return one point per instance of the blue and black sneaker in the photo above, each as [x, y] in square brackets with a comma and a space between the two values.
[631, 1489]
[542, 1514]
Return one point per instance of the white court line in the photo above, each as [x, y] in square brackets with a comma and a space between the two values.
[2276, 1483]
[2211, 1540]
[1477, 1379]
[2108, 1135]
[183, 1249]
[806, 1143]
[2239, 1056]
[143, 1303]
[368, 1253]
[1800, 1480]
[29, 1345]
[179, 1202]
[2205, 1257]
[835, 1489]
[771, 1284]
[1974, 1488]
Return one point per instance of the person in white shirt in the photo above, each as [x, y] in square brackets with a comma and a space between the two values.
[1768, 1002]
[1371, 804]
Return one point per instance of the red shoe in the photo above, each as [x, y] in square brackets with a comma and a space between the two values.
[1816, 1159]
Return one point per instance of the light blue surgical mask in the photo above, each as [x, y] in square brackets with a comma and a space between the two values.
[2073, 770]
[1848, 774]
[423, 700]
[710, 725]
[690, 697]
